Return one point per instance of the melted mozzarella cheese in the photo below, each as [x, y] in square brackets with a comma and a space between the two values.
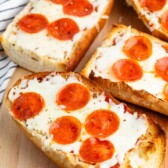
[130, 129]
[45, 45]
[108, 55]
[152, 17]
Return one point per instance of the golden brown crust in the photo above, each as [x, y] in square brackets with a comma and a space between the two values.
[0, 37]
[35, 63]
[158, 32]
[30, 60]
[124, 92]
[153, 135]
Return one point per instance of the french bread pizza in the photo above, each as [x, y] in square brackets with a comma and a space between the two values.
[53, 35]
[132, 66]
[154, 14]
[75, 123]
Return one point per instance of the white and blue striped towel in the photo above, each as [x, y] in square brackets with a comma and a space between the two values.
[8, 9]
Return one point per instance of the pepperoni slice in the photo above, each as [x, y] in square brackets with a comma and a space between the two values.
[153, 5]
[65, 130]
[27, 105]
[165, 92]
[33, 23]
[161, 68]
[62, 2]
[164, 20]
[138, 48]
[102, 123]
[73, 96]
[127, 70]
[94, 150]
[78, 8]
[63, 29]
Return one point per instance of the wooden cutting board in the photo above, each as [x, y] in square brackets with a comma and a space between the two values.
[16, 151]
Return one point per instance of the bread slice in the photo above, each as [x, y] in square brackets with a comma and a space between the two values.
[147, 91]
[152, 19]
[146, 139]
[43, 52]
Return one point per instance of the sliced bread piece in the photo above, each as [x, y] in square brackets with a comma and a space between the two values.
[49, 35]
[132, 66]
[77, 124]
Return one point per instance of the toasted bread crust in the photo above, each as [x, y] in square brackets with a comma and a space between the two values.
[158, 32]
[34, 62]
[153, 135]
[123, 91]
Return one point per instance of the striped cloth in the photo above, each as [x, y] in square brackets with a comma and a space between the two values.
[8, 9]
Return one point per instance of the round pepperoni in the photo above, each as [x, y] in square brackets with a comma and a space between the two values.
[63, 29]
[153, 5]
[138, 48]
[102, 123]
[127, 70]
[78, 8]
[73, 96]
[62, 2]
[33, 23]
[65, 130]
[94, 150]
[161, 68]
[164, 20]
[27, 105]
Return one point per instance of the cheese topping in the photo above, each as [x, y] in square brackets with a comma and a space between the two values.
[45, 45]
[110, 54]
[131, 125]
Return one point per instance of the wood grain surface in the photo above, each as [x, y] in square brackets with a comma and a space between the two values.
[16, 151]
